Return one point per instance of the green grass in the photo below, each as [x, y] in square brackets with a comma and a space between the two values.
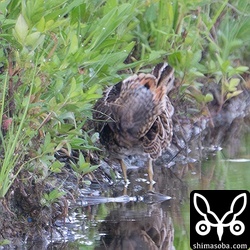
[57, 56]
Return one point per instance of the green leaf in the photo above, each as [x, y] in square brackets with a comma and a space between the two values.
[90, 169]
[156, 54]
[21, 28]
[208, 98]
[48, 146]
[81, 160]
[225, 66]
[241, 69]
[73, 43]
[233, 94]
[32, 39]
[47, 140]
[49, 24]
[41, 25]
[196, 57]
[56, 167]
[199, 97]
[67, 115]
[233, 83]
[5, 242]
[51, 197]
[150, 13]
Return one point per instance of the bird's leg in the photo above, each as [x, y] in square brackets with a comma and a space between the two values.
[150, 174]
[150, 170]
[124, 170]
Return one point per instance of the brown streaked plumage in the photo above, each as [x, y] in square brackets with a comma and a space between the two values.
[135, 116]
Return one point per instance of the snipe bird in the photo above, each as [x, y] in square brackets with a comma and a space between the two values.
[135, 116]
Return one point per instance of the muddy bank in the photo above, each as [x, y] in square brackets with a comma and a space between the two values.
[24, 218]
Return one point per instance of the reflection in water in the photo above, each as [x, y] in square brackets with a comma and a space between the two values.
[151, 229]
[137, 225]
[132, 225]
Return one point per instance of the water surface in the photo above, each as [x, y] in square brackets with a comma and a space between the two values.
[144, 225]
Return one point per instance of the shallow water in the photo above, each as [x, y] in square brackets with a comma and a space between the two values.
[141, 224]
[137, 224]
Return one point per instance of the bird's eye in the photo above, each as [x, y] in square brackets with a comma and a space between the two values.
[147, 85]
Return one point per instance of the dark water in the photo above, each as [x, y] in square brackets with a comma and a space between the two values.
[139, 224]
